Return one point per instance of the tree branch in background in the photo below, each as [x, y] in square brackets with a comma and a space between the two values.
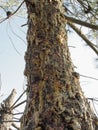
[18, 113]
[86, 6]
[73, 20]
[12, 13]
[89, 43]
[88, 77]
[19, 104]
[93, 99]
[17, 99]
[15, 126]
[10, 121]
[2, 8]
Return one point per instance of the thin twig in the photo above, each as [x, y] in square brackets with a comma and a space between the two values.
[24, 24]
[16, 118]
[18, 113]
[4, 19]
[72, 46]
[94, 108]
[17, 100]
[12, 43]
[11, 121]
[2, 8]
[96, 103]
[88, 77]
[73, 20]
[93, 99]
[19, 27]
[15, 126]
[12, 13]
[19, 104]
[16, 34]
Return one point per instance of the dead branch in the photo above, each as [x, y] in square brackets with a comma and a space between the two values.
[10, 121]
[85, 24]
[18, 104]
[17, 100]
[15, 126]
[89, 43]
[88, 77]
[93, 99]
[12, 13]
[18, 113]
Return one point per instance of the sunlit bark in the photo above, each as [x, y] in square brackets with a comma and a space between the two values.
[55, 100]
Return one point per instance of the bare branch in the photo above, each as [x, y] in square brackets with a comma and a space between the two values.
[94, 108]
[2, 8]
[18, 113]
[93, 99]
[17, 99]
[88, 77]
[16, 118]
[13, 43]
[19, 104]
[89, 43]
[72, 46]
[15, 126]
[12, 13]
[16, 34]
[10, 121]
[4, 20]
[18, 8]
[73, 20]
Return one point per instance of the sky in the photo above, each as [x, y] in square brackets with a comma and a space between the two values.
[12, 50]
[12, 63]
[85, 61]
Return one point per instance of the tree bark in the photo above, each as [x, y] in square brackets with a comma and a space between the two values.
[55, 100]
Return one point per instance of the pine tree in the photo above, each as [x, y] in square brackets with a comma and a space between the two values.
[55, 100]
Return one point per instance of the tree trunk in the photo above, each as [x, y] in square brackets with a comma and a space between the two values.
[55, 100]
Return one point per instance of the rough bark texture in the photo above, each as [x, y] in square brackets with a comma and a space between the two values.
[55, 100]
[6, 114]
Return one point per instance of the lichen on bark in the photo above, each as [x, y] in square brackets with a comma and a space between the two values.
[55, 100]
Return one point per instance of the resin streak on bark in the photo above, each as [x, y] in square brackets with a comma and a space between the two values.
[54, 98]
